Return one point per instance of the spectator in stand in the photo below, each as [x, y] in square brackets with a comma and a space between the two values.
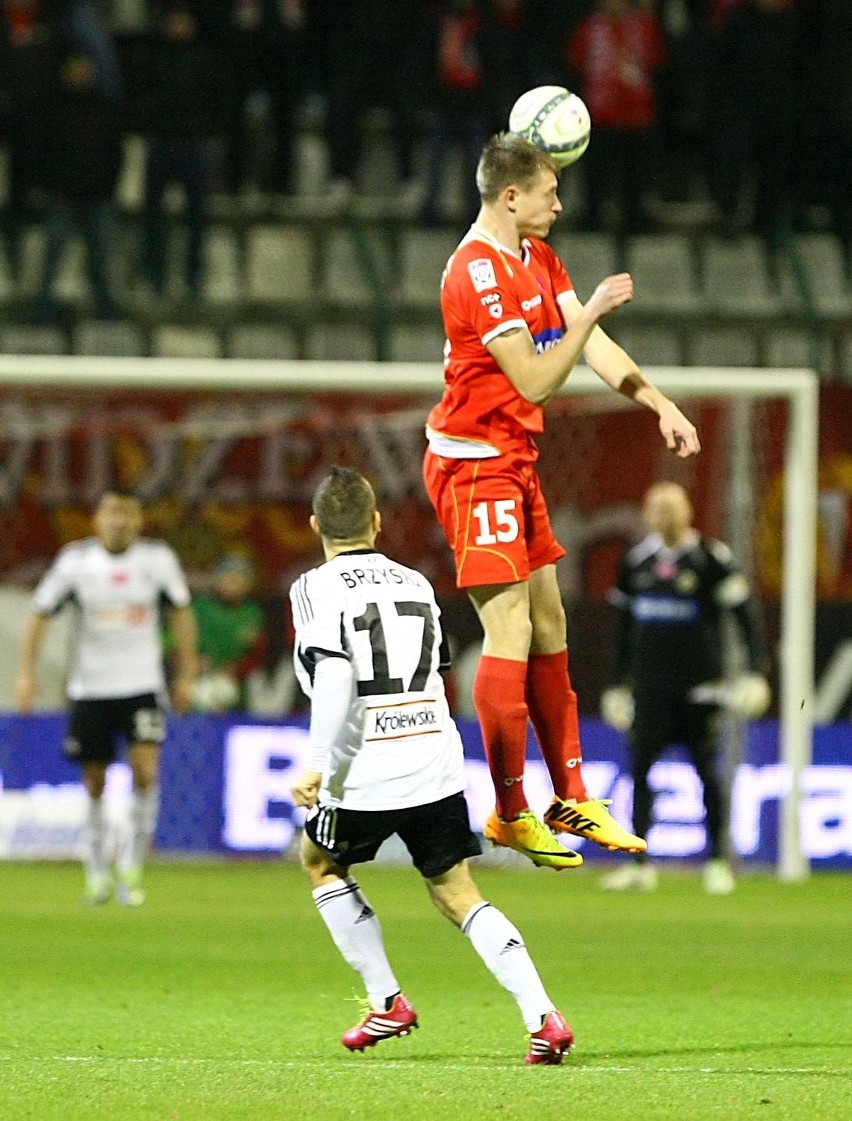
[457, 106]
[264, 43]
[179, 109]
[371, 56]
[89, 28]
[31, 45]
[829, 73]
[232, 641]
[683, 101]
[84, 156]
[508, 62]
[613, 57]
[753, 134]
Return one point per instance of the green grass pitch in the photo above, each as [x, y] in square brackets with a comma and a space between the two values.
[223, 999]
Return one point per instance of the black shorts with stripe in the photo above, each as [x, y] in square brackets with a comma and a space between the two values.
[438, 835]
[98, 727]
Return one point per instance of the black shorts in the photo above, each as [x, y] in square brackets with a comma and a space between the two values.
[97, 727]
[664, 718]
[437, 835]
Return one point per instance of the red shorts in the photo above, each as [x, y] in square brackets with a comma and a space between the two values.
[494, 516]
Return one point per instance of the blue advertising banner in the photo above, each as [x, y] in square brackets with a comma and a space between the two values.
[226, 789]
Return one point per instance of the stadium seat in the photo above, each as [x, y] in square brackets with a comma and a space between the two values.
[735, 277]
[845, 357]
[23, 339]
[722, 346]
[261, 340]
[223, 282]
[420, 343]
[796, 346]
[650, 346]
[32, 255]
[663, 272]
[185, 342]
[587, 257]
[423, 256]
[279, 263]
[822, 261]
[6, 287]
[351, 258]
[94, 336]
[340, 342]
[71, 282]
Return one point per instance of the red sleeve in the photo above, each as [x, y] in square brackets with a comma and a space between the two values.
[480, 293]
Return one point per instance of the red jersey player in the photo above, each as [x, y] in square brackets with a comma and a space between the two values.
[515, 330]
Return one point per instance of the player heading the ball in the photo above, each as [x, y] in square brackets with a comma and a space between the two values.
[515, 330]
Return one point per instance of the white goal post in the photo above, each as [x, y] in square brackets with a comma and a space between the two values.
[799, 388]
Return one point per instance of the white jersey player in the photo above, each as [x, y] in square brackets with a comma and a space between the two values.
[385, 758]
[397, 744]
[117, 582]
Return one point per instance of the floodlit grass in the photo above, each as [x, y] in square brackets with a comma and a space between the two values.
[223, 999]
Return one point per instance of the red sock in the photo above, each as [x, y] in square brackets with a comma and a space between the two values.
[498, 694]
[553, 711]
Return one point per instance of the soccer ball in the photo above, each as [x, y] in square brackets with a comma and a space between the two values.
[555, 120]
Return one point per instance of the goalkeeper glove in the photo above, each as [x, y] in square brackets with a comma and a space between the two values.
[750, 696]
[617, 707]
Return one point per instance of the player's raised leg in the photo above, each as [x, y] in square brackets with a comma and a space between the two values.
[553, 710]
[499, 693]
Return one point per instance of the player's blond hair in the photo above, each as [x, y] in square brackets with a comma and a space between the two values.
[344, 504]
[508, 160]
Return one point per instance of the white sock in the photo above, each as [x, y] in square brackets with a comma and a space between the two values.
[96, 849]
[357, 933]
[500, 945]
[144, 807]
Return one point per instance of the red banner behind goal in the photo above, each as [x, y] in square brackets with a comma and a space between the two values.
[230, 470]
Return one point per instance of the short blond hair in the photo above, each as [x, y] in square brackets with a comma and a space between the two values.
[508, 159]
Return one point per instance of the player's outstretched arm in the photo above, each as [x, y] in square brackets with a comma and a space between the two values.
[26, 682]
[618, 370]
[538, 376]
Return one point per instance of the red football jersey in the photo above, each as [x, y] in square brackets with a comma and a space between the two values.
[486, 290]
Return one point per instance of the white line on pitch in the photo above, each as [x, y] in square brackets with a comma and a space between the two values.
[415, 1064]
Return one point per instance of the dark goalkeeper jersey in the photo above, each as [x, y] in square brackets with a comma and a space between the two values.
[671, 603]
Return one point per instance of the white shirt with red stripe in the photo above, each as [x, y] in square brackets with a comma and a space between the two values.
[118, 649]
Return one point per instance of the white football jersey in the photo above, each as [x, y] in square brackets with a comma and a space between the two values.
[399, 746]
[117, 650]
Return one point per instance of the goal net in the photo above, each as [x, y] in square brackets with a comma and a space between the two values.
[226, 455]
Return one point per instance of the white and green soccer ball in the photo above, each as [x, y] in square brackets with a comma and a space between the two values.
[555, 120]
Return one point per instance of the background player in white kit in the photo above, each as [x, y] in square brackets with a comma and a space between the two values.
[116, 681]
[386, 758]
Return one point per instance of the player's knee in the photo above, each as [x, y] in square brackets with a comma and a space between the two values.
[509, 637]
[318, 865]
[454, 892]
